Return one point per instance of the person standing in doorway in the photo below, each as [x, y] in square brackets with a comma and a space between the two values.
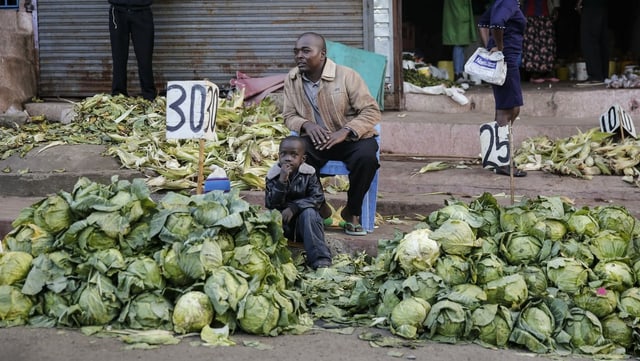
[539, 45]
[132, 19]
[458, 30]
[593, 40]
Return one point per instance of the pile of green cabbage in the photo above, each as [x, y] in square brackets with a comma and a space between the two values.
[111, 255]
[540, 275]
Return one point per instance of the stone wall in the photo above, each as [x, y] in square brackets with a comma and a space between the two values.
[17, 60]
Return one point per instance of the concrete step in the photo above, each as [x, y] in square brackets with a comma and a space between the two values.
[457, 135]
[560, 100]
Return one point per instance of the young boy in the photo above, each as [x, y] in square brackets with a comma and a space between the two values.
[293, 188]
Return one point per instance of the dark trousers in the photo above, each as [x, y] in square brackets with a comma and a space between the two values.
[362, 163]
[593, 39]
[135, 24]
[308, 227]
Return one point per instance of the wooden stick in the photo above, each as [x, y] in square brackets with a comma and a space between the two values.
[200, 167]
[511, 164]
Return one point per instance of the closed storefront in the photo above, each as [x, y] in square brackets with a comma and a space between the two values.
[194, 40]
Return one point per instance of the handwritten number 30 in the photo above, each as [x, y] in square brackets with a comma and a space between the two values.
[194, 124]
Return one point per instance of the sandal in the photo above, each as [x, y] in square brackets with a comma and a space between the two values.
[504, 170]
[354, 229]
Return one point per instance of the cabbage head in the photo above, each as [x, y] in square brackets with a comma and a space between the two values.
[29, 238]
[468, 295]
[97, 302]
[167, 258]
[568, 274]
[519, 248]
[226, 287]
[555, 230]
[615, 275]
[407, 317]
[448, 321]
[488, 268]
[572, 248]
[509, 291]
[517, 219]
[456, 210]
[252, 261]
[14, 267]
[14, 306]
[453, 270]
[607, 245]
[600, 301]
[617, 219]
[424, 285]
[417, 252]
[192, 312]
[618, 331]
[534, 327]
[456, 237]
[491, 324]
[584, 328]
[106, 261]
[630, 302]
[149, 311]
[583, 223]
[258, 315]
[142, 274]
[52, 214]
[536, 280]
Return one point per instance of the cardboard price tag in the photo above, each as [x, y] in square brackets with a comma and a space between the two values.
[191, 109]
[616, 119]
[494, 144]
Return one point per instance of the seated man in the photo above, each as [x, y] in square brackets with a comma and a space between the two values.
[294, 190]
[330, 106]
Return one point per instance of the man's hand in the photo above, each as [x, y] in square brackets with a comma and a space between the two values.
[335, 138]
[317, 134]
[323, 139]
[287, 215]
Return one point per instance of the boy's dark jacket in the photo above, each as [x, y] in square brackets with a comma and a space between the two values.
[303, 190]
[131, 3]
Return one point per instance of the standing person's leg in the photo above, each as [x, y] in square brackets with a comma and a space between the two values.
[604, 45]
[119, 36]
[590, 25]
[458, 61]
[143, 36]
[310, 229]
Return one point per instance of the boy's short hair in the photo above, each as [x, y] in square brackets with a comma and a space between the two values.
[294, 138]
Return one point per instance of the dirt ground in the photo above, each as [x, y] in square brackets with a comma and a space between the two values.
[27, 344]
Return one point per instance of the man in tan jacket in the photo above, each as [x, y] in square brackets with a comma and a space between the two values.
[330, 106]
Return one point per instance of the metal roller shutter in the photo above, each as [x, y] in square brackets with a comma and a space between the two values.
[194, 40]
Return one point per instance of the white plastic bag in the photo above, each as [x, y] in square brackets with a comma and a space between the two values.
[487, 66]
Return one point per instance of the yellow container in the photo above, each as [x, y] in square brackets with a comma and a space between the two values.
[563, 73]
[448, 66]
[425, 71]
[612, 68]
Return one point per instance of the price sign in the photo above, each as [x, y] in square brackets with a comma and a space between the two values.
[615, 118]
[191, 109]
[494, 144]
